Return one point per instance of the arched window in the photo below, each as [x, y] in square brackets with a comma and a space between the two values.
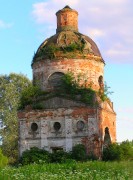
[55, 80]
[107, 139]
[100, 81]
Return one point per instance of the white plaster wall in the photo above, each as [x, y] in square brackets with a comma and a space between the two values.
[68, 133]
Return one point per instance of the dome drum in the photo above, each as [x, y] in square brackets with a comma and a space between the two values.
[89, 69]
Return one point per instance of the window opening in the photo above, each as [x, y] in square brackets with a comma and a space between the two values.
[34, 127]
[57, 126]
[80, 125]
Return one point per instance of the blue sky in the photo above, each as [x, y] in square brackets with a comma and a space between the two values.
[24, 25]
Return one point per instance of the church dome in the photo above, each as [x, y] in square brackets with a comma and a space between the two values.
[67, 51]
[67, 42]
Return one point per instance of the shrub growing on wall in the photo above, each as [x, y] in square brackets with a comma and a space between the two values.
[73, 87]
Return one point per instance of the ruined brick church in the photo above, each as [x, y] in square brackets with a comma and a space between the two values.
[62, 121]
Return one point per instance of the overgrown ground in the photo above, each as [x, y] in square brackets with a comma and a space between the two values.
[71, 170]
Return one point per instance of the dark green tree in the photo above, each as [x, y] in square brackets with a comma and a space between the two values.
[115, 151]
[11, 87]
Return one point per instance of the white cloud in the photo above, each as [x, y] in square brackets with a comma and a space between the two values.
[94, 33]
[42, 13]
[117, 52]
[4, 25]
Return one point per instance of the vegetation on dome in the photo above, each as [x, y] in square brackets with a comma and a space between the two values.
[52, 51]
[66, 44]
[73, 47]
[46, 52]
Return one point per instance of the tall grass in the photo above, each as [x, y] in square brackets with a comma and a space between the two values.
[72, 171]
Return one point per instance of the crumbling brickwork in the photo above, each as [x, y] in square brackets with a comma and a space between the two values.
[67, 19]
[90, 68]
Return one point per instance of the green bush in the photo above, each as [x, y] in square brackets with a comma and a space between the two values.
[3, 160]
[92, 157]
[59, 156]
[112, 152]
[123, 151]
[127, 150]
[79, 152]
[34, 155]
[27, 96]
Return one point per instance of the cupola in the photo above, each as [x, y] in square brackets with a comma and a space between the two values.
[67, 19]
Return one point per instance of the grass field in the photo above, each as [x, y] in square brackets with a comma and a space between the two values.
[71, 170]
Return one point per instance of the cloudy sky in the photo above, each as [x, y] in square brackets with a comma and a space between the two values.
[25, 24]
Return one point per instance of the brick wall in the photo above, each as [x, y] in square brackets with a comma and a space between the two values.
[67, 20]
[91, 70]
